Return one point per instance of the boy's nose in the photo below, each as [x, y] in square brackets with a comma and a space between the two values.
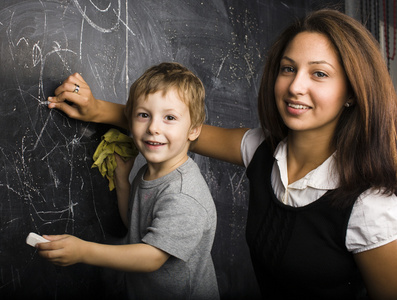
[153, 128]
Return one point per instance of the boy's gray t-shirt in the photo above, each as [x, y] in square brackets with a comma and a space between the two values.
[176, 214]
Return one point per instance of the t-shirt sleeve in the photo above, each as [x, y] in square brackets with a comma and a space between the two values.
[250, 142]
[178, 225]
[373, 222]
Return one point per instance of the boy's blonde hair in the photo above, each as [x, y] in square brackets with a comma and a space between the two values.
[167, 76]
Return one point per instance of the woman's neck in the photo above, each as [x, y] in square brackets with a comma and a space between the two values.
[305, 153]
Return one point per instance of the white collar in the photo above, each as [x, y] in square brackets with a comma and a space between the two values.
[324, 177]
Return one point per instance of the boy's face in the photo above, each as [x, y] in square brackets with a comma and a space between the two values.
[161, 130]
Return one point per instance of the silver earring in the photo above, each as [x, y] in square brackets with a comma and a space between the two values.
[347, 104]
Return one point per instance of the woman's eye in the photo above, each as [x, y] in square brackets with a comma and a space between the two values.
[320, 74]
[287, 69]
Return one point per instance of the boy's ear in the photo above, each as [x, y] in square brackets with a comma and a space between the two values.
[194, 133]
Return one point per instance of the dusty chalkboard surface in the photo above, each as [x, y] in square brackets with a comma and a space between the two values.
[46, 182]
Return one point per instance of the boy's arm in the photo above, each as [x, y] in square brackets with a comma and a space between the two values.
[83, 106]
[123, 186]
[65, 250]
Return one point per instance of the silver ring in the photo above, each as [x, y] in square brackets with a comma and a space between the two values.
[77, 88]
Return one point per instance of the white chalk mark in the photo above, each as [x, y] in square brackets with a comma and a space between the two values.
[239, 183]
[9, 31]
[250, 74]
[285, 5]
[23, 39]
[41, 132]
[126, 77]
[49, 212]
[95, 72]
[221, 66]
[82, 184]
[89, 21]
[125, 24]
[13, 190]
[52, 150]
[81, 36]
[13, 220]
[234, 187]
[36, 54]
[75, 141]
[54, 177]
[126, 49]
[101, 10]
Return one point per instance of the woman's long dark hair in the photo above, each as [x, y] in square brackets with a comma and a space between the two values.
[365, 138]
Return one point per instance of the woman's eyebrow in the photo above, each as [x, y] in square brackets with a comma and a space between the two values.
[315, 62]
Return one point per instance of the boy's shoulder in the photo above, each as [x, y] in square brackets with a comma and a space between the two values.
[189, 181]
[189, 167]
[191, 174]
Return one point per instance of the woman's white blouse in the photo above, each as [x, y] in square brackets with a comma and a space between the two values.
[373, 221]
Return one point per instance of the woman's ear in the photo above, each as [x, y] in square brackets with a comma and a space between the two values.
[350, 101]
[194, 133]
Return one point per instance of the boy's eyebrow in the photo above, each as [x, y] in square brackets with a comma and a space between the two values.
[167, 110]
[315, 62]
[172, 110]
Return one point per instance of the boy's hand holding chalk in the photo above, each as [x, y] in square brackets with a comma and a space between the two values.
[34, 239]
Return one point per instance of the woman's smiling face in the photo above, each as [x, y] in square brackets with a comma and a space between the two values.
[311, 87]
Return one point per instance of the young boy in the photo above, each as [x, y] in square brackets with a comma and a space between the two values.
[169, 210]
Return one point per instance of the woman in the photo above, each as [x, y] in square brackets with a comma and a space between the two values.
[322, 220]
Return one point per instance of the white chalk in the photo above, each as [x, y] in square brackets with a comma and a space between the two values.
[34, 239]
[44, 102]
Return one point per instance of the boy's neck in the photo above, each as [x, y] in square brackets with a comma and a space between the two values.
[158, 170]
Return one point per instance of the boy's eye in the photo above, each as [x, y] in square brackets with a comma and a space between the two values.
[170, 118]
[143, 115]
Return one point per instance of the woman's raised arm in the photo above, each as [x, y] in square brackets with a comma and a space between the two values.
[220, 143]
[75, 99]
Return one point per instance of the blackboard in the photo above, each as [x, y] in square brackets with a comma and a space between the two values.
[46, 181]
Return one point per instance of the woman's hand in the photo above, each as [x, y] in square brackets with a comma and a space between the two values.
[80, 104]
[75, 99]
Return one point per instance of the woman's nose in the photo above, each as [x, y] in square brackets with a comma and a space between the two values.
[299, 84]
